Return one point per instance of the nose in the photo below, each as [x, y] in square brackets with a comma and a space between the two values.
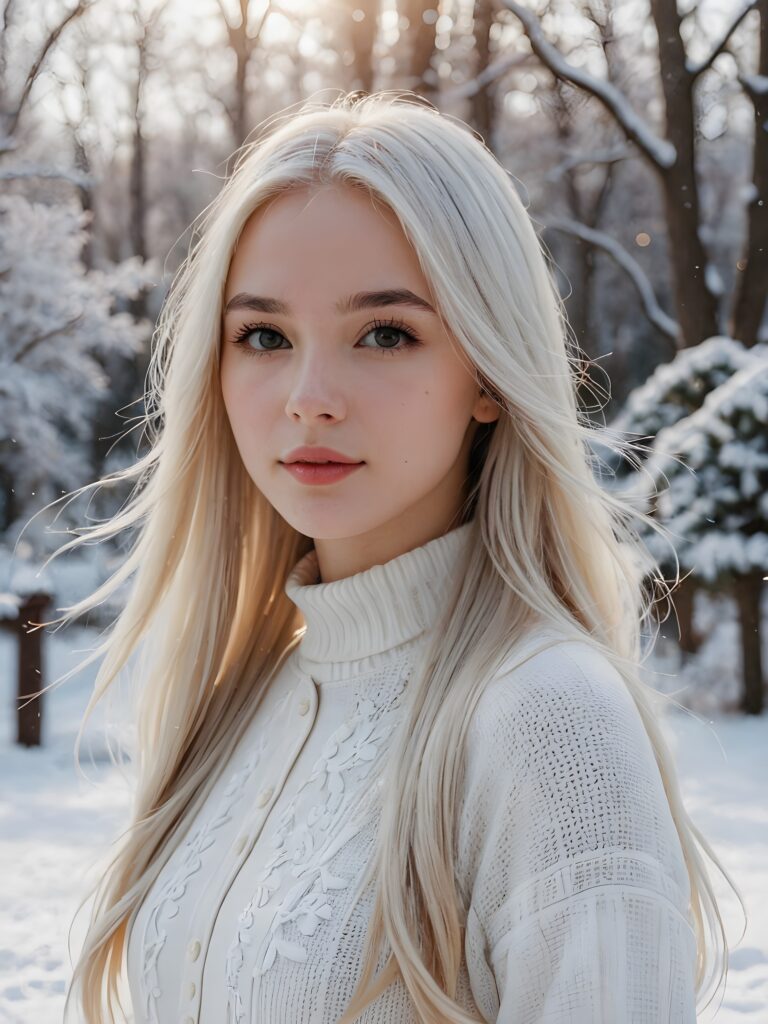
[315, 391]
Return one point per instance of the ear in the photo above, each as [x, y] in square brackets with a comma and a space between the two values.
[486, 410]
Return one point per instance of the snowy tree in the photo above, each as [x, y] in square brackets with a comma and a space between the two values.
[676, 389]
[673, 392]
[672, 151]
[709, 474]
[56, 319]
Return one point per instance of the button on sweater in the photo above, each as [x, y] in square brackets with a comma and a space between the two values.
[577, 893]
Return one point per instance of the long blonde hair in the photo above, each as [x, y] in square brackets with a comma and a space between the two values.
[206, 615]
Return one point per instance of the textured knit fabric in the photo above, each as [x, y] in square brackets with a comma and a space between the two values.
[567, 857]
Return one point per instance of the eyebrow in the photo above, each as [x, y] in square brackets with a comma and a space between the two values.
[353, 303]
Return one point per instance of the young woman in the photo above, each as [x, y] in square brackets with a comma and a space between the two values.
[394, 758]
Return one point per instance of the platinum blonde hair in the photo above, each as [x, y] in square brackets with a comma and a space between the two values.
[206, 615]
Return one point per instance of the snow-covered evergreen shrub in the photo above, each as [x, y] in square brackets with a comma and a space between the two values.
[704, 478]
[56, 317]
[675, 390]
[710, 472]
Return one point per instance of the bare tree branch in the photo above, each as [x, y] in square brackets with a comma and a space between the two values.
[658, 150]
[34, 71]
[74, 177]
[672, 155]
[660, 320]
[599, 156]
[24, 351]
[495, 70]
[694, 70]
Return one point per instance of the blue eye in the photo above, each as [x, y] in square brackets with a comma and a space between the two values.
[394, 327]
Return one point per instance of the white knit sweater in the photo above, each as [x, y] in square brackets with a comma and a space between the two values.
[575, 882]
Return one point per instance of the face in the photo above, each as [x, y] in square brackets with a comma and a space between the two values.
[311, 355]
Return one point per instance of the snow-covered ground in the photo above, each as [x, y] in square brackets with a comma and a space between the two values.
[56, 828]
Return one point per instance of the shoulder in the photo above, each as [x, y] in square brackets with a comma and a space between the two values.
[554, 694]
[560, 769]
[554, 670]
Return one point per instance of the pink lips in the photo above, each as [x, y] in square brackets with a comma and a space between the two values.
[317, 453]
[321, 472]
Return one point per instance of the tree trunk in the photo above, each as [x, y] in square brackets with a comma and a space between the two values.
[10, 504]
[751, 290]
[138, 197]
[695, 305]
[238, 40]
[419, 46]
[138, 192]
[684, 597]
[362, 37]
[748, 590]
[86, 201]
[482, 101]
[243, 46]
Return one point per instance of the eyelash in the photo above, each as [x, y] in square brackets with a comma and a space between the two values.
[412, 341]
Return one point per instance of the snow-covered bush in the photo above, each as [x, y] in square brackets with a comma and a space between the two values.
[675, 390]
[709, 474]
[56, 317]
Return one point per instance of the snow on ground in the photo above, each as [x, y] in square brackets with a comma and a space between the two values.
[723, 766]
[56, 830]
[54, 827]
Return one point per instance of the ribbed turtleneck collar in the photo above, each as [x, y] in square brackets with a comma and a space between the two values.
[377, 609]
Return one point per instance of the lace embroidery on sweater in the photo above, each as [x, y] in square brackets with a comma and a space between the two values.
[166, 904]
[355, 746]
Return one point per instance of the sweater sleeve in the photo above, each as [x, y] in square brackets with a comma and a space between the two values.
[577, 891]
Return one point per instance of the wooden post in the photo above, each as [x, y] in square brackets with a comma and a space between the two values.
[30, 711]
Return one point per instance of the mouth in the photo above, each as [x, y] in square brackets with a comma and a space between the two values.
[320, 472]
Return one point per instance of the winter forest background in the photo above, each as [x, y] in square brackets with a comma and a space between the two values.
[637, 133]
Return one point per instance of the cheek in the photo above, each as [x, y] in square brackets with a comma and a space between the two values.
[246, 395]
[419, 421]
[249, 407]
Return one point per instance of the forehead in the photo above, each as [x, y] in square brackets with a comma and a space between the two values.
[336, 238]
[319, 215]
